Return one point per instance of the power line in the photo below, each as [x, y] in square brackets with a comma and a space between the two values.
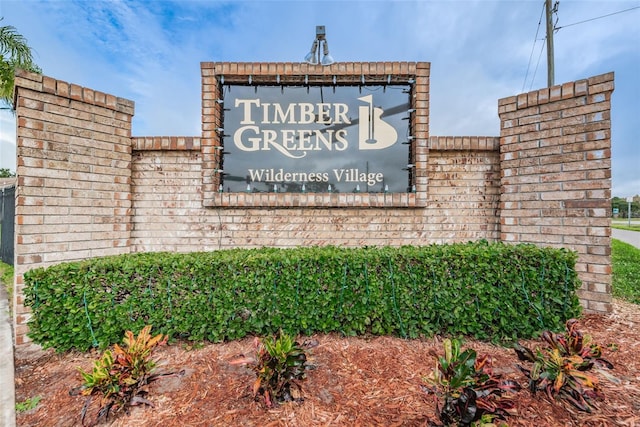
[556, 28]
[598, 17]
[535, 40]
[537, 63]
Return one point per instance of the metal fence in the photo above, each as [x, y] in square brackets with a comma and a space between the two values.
[7, 226]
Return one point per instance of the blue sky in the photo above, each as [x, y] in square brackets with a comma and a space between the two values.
[480, 51]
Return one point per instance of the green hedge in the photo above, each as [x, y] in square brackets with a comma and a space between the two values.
[489, 291]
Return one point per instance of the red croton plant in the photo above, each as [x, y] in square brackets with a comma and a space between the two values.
[562, 368]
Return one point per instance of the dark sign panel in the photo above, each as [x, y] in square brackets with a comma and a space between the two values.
[316, 139]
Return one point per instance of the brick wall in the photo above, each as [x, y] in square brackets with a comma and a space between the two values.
[464, 189]
[167, 218]
[86, 188]
[74, 177]
[168, 212]
[555, 151]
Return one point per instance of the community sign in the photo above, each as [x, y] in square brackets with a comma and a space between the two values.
[316, 139]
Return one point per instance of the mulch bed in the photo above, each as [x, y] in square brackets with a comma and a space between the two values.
[364, 381]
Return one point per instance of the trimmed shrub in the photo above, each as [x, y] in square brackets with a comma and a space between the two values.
[489, 291]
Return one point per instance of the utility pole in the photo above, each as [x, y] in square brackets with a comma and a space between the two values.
[550, 66]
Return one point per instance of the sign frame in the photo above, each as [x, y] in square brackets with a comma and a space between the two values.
[216, 75]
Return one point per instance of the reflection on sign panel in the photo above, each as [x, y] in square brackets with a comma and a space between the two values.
[316, 138]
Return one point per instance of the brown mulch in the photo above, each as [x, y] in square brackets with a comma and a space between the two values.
[372, 381]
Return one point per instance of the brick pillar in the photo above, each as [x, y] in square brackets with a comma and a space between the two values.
[555, 154]
[74, 178]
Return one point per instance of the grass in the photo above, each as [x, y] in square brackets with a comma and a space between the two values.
[625, 224]
[633, 227]
[625, 262]
[28, 404]
[6, 275]
[6, 280]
